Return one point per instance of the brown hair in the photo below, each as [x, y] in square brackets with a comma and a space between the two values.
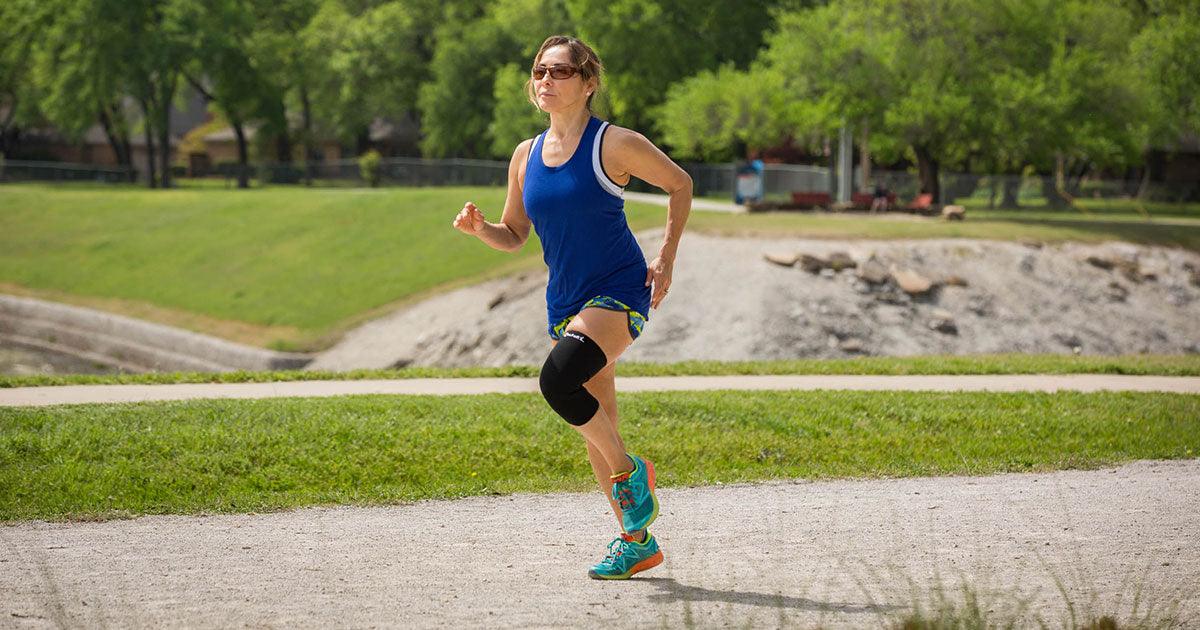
[582, 57]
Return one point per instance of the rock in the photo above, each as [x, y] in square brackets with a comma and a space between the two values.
[828, 272]
[783, 260]
[910, 281]
[1032, 244]
[943, 322]
[1116, 292]
[981, 305]
[893, 297]
[861, 287]
[1026, 264]
[1193, 273]
[1130, 269]
[954, 213]
[840, 260]
[954, 280]
[872, 272]
[812, 264]
[851, 345]
[1101, 262]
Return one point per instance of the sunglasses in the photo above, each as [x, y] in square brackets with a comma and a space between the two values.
[558, 71]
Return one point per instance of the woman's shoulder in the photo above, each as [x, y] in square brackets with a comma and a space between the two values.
[623, 138]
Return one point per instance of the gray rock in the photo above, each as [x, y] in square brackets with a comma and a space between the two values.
[943, 322]
[1116, 292]
[812, 264]
[840, 260]
[872, 271]
[851, 345]
[828, 273]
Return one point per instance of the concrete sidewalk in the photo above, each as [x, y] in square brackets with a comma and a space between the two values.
[74, 394]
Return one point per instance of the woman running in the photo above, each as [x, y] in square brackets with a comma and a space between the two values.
[568, 184]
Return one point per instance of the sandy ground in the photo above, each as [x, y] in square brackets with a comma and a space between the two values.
[796, 554]
[728, 303]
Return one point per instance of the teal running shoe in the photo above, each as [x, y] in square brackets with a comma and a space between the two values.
[634, 493]
[627, 557]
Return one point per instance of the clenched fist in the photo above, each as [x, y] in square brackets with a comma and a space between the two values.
[469, 220]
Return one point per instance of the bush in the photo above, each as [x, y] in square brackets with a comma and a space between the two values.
[369, 167]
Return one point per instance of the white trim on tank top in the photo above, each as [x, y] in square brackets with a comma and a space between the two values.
[601, 177]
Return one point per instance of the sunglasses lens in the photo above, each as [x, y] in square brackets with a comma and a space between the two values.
[556, 72]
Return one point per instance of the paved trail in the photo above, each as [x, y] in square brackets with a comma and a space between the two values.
[790, 554]
[71, 394]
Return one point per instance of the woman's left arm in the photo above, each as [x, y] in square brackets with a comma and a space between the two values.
[636, 156]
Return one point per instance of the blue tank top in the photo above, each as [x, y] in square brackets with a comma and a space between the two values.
[579, 216]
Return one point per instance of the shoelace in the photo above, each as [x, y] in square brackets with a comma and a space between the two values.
[625, 497]
[616, 548]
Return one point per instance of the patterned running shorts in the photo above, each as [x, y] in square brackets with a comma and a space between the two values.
[637, 321]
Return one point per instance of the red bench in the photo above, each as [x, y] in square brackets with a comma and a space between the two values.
[811, 199]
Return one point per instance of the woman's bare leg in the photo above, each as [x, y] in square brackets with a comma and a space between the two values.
[612, 327]
[609, 329]
[604, 387]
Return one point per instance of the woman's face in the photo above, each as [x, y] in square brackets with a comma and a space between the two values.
[557, 95]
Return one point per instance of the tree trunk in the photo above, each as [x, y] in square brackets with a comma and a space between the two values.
[117, 139]
[310, 146]
[362, 141]
[283, 143]
[147, 116]
[1011, 190]
[164, 132]
[243, 154]
[927, 170]
[1054, 189]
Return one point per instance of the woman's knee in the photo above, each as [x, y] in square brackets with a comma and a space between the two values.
[572, 363]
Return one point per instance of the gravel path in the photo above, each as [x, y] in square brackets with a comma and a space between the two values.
[76, 394]
[837, 553]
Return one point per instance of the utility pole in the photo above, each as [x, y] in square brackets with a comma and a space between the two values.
[845, 161]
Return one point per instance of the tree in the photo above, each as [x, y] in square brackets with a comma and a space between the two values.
[458, 103]
[646, 45]
[514, 118]
[367, 65]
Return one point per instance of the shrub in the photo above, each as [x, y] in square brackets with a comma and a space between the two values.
[369, 167]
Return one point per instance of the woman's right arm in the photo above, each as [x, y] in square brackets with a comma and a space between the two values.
[513, 229]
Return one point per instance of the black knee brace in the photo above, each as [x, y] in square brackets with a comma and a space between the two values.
[575, 360]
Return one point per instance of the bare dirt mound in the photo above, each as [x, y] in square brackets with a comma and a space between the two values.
[838, 299]
[834, 553]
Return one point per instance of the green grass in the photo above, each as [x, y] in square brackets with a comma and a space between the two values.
[1000, 225]
[306, 261]
[107, 461]
[1162, 365]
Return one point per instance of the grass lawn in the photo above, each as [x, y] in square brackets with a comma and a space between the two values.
[1162, 365]
[107, 461]
[291, 268]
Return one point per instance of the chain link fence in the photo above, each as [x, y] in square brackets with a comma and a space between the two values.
[780, 181]
[23, 171]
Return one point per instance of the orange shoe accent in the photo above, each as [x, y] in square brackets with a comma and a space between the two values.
[648, 563]
[650, 472]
